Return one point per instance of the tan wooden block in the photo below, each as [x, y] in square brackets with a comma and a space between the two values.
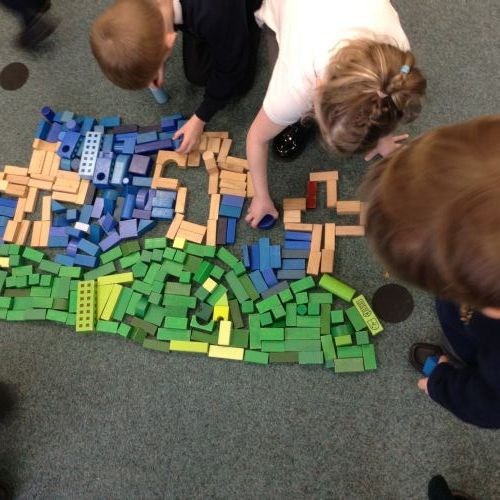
[213, 183]
[348, 207]
[46, 208]
[327, 260]
[350, 230]
[313, 263]
[2, 175]
[31, 200]
[43, 185]
[210, 163]
[239, 162]
[362, 214]
[298, 226]
[66, 186]
[174, 226]
[211, 232]
[230, 168]
[292, 216]
[239, 186]
[331, 175]
[331, 194]
[17, 179]
[54, 167]
[3, 185]
[180, 202]
[214, 133]
[46, 146]
[203, 143]
[317, 234]
[16, 190]
[214, 144]
[86, 194]
[36, 163]
[213, 213]
[13, 170]
[190, 236]
[166, 183]
[11, 231]
[35, 233]
[250, 188]
[224, 150]
[194, 158]
[47, 162]
[44, 233]
[233, 192]
[23, 232]
[329, 236]
[233, 176]
[66, 197]
[42, 177]
[70, 176]
[192, 227]
[20, 210]
[294, 204]
[165, 157]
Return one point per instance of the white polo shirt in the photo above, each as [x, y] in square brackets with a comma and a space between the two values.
[309, 32]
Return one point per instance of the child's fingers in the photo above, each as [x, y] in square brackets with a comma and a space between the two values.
[422, 384]
[371, 154]
[401, 137]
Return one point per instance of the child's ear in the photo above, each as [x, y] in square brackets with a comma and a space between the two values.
[170, 41]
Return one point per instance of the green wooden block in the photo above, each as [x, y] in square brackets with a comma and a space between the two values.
[169, 253]
[157, 255]
[239, 338]
[207, 327]
[272, 334]
[157, 287]
[15, 249]
[302, 298]
[337, 287]
[137, 335]
[146, 256]
[254, 327]
[202, 294]
[180, 256]
[22, 271]
[21, 281]
[49, 267]
[185, 277]
[369, 358]
[192, 263]
[325, 310]
[285, 295]
[303, 284]
[70, 272]
[179, 323]
[34, 279]
[217, 272]
[152, 243]
[279, 312]
[142, 325]
[239, 268]
[302, 345]
[235, 314]
[202, 273]
[320, 298]
[156, 345]
[266, 319]
[291, 314]
[178, 289]
[60, 304]
[260, 358]
[106, 326]
[268, 304]
[210, 251]
[283, 357]
[124, 330]
[153, 270]
[311, 358]
[141, 307]
[142, 287]
[272, 345]
[156, 315]
[172, 268]
[5, 302]
[362, 338]
[3, 312]
[247, 307]
[301, 310]
[237, 288]
[177, 311]
[72, 301]
[103, 270]
[15, 260]
[15, 315]
[350, 351]
[35, 314]
[71, 321]
[216, 295]
[349, 365]
[130, 260]
[179, 300]
[40, 291]
[292, 333]
[355, 318]
[139, 269]
[224, 255]
[204, 311]
[309, 321]
[210, 338]
[155, 298]
[313, 309]
[132, 302]
[33, 255]
[195, 249]
[337, 316]
[60, 288]
[328, 347]
[122, 303]
[344, 329]
[110, 255]
[130, 247]
[343, 340]
[369, 317]
[248, 286]
[57, 316]
[173, 334]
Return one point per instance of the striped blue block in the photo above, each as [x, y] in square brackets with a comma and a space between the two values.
[297, 245]
[275, 252]
[264, 253]
[258, 281]
[293, 264]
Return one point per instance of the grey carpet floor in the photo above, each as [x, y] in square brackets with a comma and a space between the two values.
[103, 418]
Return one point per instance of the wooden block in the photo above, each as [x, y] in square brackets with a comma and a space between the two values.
[44, 233]
[31, 200]
[225, 328]
[330, 236]
[214, 144]
[165, 157]
[23, 232]
[234, 353]
[239, 186]
[192, 227]
[20, 210]
[46, 208]
[362, 214]
[213, 183]
[47, 162]
[203, 143]
[213, 213]
[190, 236]
[44, 185]
[224, 150]
[11, 169]
[42, 177]
[211, 232]
[46, 146]
[250, 188]
[233, 176]
[233, 192]
[54, 168]
[314, 262]
[221, 235]
[327, 257]
[174, 226]
[66, 197]
[36, 162]
[331, 194]
[239, 162]
[292, 216]
[294, 203]
[166, 183]
[194, 158]
[66, 186]
[350, 230]
[70, 176]
[220, 135]
[317, 233]
[11, 231]
[298, 226]
[3, 185]
[85, 193]
[349, 207]
[210, 163]
[16, 190]
[230, 168]
[180, 202]
[331, 175]
[17, 179]
[35, 233]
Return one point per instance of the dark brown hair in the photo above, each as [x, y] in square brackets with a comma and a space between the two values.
[433, 212]
[364, 95]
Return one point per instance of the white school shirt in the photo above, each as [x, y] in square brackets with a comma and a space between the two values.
[308, 33]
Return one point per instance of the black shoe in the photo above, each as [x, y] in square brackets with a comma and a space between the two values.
[38, 29]
[290, 143]
[420, 351]
[438, 489]
[5, 491]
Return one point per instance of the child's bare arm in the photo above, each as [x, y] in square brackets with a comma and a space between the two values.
[386, 146]
[259, 135]
[191, 134]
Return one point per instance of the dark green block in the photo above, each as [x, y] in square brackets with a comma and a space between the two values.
[311, 358]
[349, 351]
[239, 338]
[156, 345]
[283, 357]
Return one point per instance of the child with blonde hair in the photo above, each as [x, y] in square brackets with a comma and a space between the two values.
[348, 66]
[133, 39]
[433, 216]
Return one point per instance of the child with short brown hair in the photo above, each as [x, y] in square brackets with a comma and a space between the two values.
[346, 65]
[133, 39]
[433, 216]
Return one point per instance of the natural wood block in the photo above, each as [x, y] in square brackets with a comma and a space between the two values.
[11, 231]
[210, 163]
[190, 236]
[47, 162]
[331, 175]
[180, 202]
[313, 263]
[174, 226]
[331, 194]
[294, 203]
[43, 185]
[36, 162]
[327, 260]
[194, 158]
[66, 186]
[239, 162]
[230, 168]
[20, 210]
[213, 183]
[45, 146]
[330, 236]
[16, 190]
[317, 234]
[46, 208]
[292, 216]
[211, 232]
[250, 188]
[23, 232]
[203, 143]
[233, 176]
[192, 227]
[42, 177]
[70, 176]
[35, 233]
[85, 193]
[214, 133]
[214, 144]
[349, 207]
[213, 213]
[233, 192]
[13, 170]
[66, 197]
[166, 183]
[224, 150]
[350, 230]
[31, 200]
[362, 214]
[239, 186]
[298, 226]
[165, 157]
[17, 179]
[54, 168]
[44, 233]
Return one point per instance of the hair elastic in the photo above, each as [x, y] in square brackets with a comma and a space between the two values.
[404, 69]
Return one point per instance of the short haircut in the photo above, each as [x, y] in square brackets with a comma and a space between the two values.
[364, 95]
[433, 212]
[128, 42]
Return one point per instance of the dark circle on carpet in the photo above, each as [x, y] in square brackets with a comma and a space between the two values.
[392, 303]
[14, 76]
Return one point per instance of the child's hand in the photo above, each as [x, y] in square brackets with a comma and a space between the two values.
[258, 208]
[422, 383]
[386, 145]
[191, 131]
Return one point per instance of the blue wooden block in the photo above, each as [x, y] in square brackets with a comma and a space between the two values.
[42, 130]
[288, 253]
[97, 208]
[123, 136]
[60, 221]
[258, 281]
[275, 252]
[230, 211]
[245, 252]
[64, 260]
[430, 363]
[97, 128]
[88, 247]
[95, 234]
[298, 245]
[69, 145]
[267, 222]
[128, 146]
[7, 211]
[139, 165]
[234, 201]
[72, 214]
[110, 121]
[107, 223]
[137, 213]
[48, 113]
[107, 143]
[72, 247]
[298, 235]
[120, 169]
[65, 116]
[264, 253]
[168, 124]
[162, 213]
[109, 205]
[153, 147]
[4, 220]
[87, 124]
[102, 171]
[8, 202]
[147, 137]
[57, 241]
[293, 264]
[74, 233]
[291, 274]
[142, 198]
[269, 277]
[66, 164]
[53, 134]
[85, 260]
[176, 144]
[254, 257]
[162, 203]
[145, 226]
[127, 229]
[231, 231]
[141, 181]
[112, 239]
[128, 206]
[57, 207]
[165, 135]
[85, 213]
